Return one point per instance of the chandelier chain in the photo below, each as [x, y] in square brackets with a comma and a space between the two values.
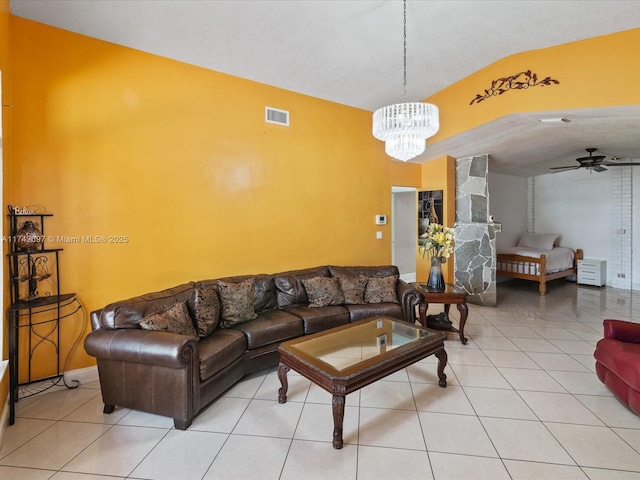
[405, 52]
[404, 127]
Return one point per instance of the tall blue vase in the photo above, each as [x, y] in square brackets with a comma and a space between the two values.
[436, 277]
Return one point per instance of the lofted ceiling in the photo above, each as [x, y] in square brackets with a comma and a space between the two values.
[350, 52]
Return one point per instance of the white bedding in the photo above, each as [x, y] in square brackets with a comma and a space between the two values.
[558, 258]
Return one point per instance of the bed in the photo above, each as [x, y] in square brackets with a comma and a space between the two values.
[538, 258]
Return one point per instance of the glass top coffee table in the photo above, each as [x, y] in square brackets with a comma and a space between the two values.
[344, 359]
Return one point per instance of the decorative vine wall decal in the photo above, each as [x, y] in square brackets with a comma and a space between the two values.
[519, 81]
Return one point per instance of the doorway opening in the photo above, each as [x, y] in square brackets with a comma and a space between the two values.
[404, 231]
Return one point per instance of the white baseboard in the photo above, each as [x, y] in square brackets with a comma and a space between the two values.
[4, 421]
[4, 418]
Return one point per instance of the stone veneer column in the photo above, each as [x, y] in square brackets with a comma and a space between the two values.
[475, 245]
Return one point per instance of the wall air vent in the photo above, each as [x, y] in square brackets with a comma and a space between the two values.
[273, 115]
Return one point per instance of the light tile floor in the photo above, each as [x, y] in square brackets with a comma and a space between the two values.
[522, 402]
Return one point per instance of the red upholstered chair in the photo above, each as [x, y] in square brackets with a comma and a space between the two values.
[618, 361]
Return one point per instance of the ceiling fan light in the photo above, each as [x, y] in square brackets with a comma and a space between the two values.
[555, 120]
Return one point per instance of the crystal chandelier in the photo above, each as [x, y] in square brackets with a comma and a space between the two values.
[405, 127]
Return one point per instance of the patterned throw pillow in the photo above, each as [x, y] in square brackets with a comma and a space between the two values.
[381, 290]
[174, 319]
[205, 308]
[352, 289]
[323, 291]
[237, 302]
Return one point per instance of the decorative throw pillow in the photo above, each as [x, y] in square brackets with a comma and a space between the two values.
[205, 309]
[381, 290]
[237, 302]
[352, 289]
[323, 291]
[174, 319]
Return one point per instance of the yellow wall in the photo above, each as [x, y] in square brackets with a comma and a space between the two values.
[405, 174]
[178, 159]
[5, 67]
[596, 72]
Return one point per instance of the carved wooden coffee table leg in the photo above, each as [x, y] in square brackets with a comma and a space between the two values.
[464, 311]
[338, 418]
[442, 362]
[282, 376]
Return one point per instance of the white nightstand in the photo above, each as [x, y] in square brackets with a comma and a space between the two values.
[592, 272]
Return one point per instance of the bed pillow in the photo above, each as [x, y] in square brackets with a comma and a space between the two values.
[541, 241]
[174, 319]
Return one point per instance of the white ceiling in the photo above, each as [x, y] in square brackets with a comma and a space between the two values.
[350, 52]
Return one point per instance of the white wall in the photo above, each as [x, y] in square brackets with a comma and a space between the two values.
[508, 205]
[635, 245]
[577, 205]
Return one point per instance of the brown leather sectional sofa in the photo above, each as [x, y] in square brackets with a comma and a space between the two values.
[178, 375]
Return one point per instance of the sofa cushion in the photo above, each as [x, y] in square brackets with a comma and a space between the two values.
[323, 291]
[265, 294]
[204, 307]
[174, 319]
[220, 349]
[128, 313]
[269, 327]
[318, 319]
[359, 312]
[352, 288]
[381, 290]
[289, 287]
[237, 302]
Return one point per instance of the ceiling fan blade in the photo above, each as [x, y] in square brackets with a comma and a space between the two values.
[562, 169]
[599, 169]
[612, 164]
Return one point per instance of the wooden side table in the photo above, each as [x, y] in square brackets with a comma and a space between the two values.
[451, 294]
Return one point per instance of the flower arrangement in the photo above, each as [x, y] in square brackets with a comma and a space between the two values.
[437, 242]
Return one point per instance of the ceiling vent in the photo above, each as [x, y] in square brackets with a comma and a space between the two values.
[273, 115]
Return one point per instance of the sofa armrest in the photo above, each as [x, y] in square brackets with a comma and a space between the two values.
[622, 330]
[409, 297]
[142, 346]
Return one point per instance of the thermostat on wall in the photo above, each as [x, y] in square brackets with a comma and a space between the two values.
[381, 219]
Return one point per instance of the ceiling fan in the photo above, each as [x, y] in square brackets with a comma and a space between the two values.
[594, 163]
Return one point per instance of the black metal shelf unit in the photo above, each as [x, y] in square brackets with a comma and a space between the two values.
[36, 309]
